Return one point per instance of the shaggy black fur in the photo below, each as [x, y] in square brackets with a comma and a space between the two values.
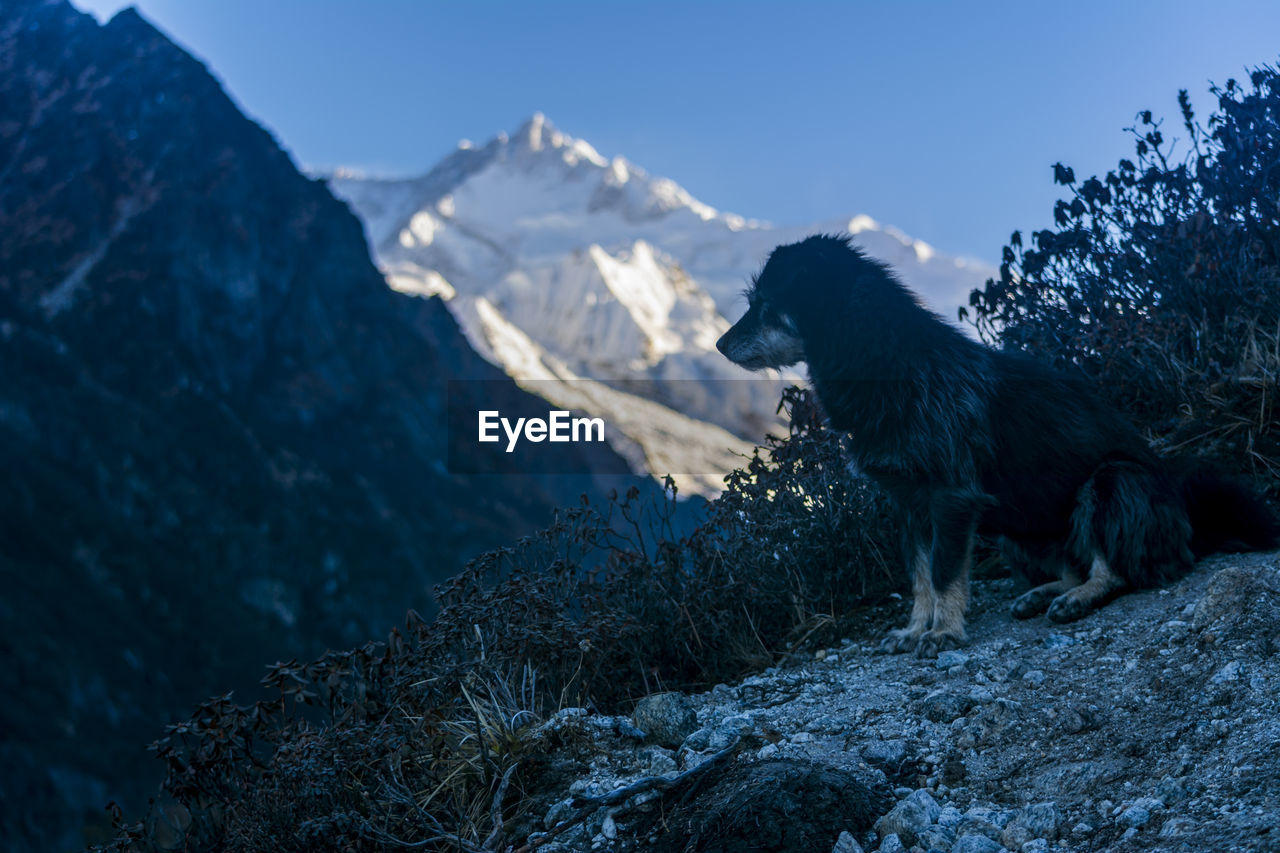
[973, 441]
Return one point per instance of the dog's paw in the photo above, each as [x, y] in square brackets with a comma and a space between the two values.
[1069, 608]
[900, 640]
[1030, 604]
[933, 642]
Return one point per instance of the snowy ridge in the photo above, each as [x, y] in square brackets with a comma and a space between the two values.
[607, 273]
[650, 436]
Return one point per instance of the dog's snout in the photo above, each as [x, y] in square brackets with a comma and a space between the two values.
[723, 345]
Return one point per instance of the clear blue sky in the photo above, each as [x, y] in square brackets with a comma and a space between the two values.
[941, 118]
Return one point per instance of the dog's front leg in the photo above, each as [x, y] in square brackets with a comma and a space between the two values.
[922, 605]
[955, 515]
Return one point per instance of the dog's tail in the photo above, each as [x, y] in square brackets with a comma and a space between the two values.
[1226, 515]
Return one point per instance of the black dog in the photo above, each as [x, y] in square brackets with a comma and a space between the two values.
[973, 441]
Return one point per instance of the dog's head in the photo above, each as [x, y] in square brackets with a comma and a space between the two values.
[769, 334]
[766, 336]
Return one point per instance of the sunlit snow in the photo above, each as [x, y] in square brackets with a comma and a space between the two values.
[607, 273]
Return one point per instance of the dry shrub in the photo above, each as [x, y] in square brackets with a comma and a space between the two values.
[430, 740]
[1161, 280]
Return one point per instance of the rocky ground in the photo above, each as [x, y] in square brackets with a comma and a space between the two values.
[1151, 725]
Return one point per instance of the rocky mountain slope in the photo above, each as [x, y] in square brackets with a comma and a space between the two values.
[223, 437]
[570, 270]
[1152, 725]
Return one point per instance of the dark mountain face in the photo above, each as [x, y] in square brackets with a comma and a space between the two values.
[222, 437]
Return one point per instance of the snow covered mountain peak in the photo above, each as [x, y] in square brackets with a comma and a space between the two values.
[539, 148]
[561, 262]
[531, 132]
[538, 134]
[539, 191]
